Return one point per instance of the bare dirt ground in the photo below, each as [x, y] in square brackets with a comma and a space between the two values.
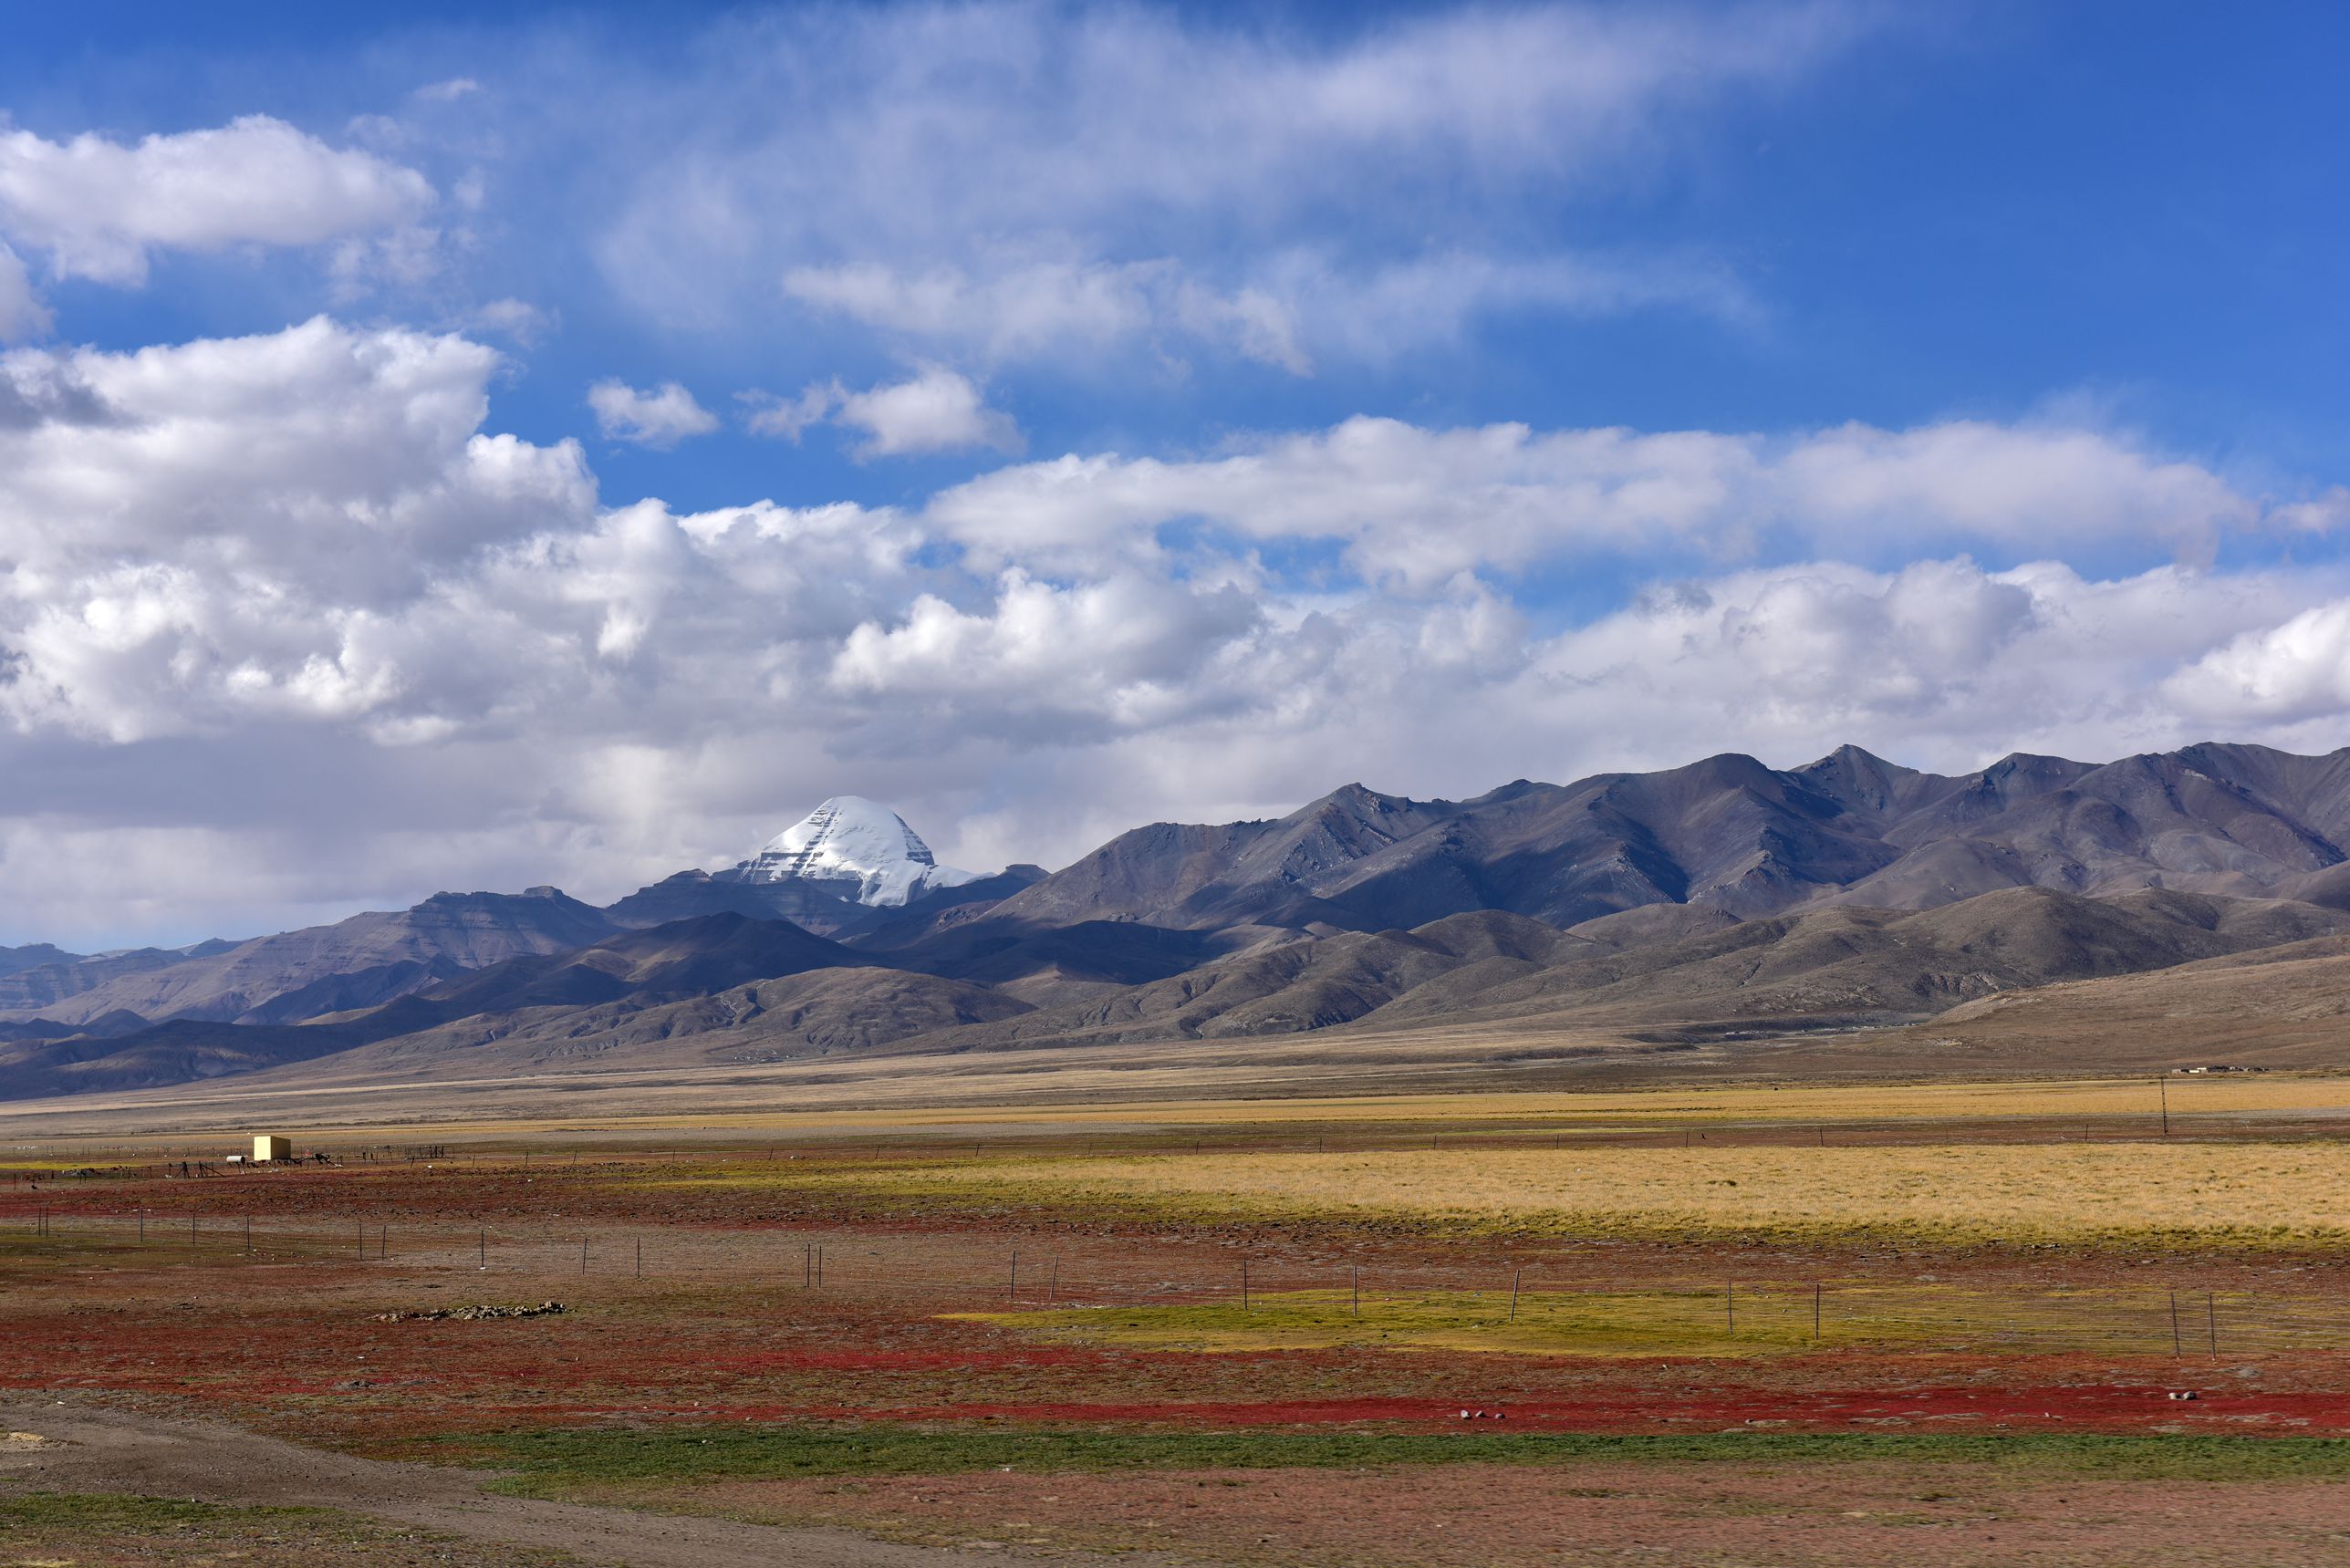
[87, 1448]
[1465, 1516]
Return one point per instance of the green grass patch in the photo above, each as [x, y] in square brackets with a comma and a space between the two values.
[61, 1528]
[552, 1461]
[105, 1514]
[1768, 1320]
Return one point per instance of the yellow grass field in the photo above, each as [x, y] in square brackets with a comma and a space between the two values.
[1825, 1105]
[2210, 1194]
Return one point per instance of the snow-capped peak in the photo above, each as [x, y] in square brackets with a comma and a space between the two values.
[856, 847]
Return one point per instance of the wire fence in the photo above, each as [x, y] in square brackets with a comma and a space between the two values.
[1167, 1294]
[24, 1162]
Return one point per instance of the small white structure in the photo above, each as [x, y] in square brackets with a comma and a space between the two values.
[267, 1147]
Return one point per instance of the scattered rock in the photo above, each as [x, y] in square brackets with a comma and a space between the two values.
[468, 1313]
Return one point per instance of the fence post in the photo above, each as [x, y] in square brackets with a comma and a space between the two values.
[1729, 1302]
[1244, 1290]
[1053, 1283]
[2212, 1311]
[1355, 1277]
[1515, 1276]
[481, 1249]
[1012, 1296]
[1816, 1313]
[2177, 1347]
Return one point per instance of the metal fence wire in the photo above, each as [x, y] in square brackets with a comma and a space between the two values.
[1508, 1305]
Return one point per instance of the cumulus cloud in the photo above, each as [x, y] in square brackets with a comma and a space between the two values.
[659, 418]
[1153, 653]
[936, 410]
[221, 528]
[2293, 672]
[1414, 506]
[283, 620]
[98, 209]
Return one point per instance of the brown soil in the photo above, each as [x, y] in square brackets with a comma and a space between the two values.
[1468, 1517]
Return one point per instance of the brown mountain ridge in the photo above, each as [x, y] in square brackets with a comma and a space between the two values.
[1724, 897]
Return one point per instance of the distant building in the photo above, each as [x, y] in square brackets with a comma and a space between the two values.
[268, 1146]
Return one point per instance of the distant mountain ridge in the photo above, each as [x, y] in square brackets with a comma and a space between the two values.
[1723, 894]
[1731, 834]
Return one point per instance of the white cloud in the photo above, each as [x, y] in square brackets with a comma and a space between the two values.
[936, 411]
[660, 418]
[2279, 674]
[1005, 179]
[524, 323]
[222, 528]
[97, 208]
[1039, 308]
[787, 419]
[284, 622]
[1295, 307]
[22, 314]
[1415, 506]
[1130, 653]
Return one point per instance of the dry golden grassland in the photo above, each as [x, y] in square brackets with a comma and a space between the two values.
[1829, 1105]
[2226, 1194]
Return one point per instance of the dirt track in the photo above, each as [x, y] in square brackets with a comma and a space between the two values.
[93, 1450]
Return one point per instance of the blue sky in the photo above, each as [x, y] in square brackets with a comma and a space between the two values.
[1164, 411]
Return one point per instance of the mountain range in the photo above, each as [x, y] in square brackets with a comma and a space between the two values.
[1722, 899]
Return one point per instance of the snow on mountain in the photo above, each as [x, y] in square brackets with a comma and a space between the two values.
[857, 848]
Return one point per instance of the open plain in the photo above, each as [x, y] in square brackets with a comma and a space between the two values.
[2004, 1321]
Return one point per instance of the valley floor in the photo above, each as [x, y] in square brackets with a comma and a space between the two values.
[1845, 1324]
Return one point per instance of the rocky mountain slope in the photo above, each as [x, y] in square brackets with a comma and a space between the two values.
[1718, 898]
[1730, 834]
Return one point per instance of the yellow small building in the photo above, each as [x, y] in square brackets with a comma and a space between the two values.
[268, 1146]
